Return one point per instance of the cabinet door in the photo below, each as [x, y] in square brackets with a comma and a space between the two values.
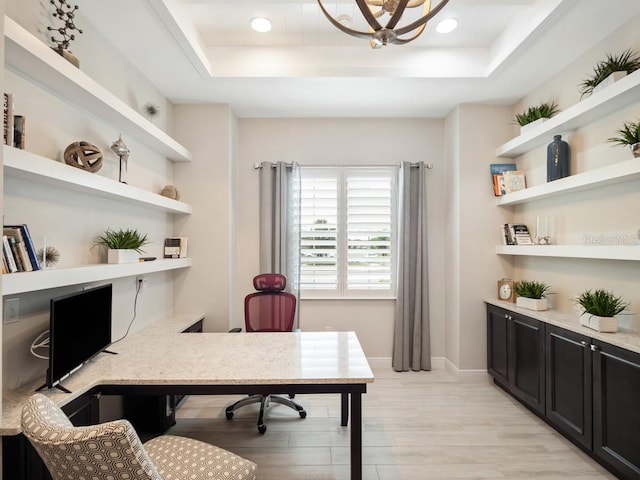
[498, 345]
[568, 384]
[526, 365]
[616, 408]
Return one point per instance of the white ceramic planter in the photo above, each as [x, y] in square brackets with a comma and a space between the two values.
[537, 304]
[122, 256]
[530, 126]
[610, 80]
[599, 324]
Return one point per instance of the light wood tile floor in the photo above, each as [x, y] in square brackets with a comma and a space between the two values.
[416, 425]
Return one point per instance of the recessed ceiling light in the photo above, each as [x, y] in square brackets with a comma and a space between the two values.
[261, 24]
[447, 25]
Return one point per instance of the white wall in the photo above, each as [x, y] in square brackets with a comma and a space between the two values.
[608, 212]
[69, 220]
[343, 142]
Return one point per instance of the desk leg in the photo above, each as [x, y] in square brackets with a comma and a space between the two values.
[344, 409]
[356, 436]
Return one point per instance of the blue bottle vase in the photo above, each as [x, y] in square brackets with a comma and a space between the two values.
[557, 159]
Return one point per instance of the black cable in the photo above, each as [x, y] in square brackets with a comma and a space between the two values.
[135, 307]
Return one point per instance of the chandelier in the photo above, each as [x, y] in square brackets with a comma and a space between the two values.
[380, 35]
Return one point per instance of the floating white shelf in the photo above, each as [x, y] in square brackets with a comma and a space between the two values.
[599, 177]
[28, 55]
[21, 282]
[22, 164]
[573, 251]
[622, 93]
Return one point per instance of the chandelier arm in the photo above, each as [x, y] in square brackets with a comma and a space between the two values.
[402, 41]
[423, 20]
[339, 26]
[415, 3]
[375, 3]
[368, 15]
[395, 18]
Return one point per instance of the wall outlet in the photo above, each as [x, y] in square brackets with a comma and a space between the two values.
[142, 283]
[11, 310]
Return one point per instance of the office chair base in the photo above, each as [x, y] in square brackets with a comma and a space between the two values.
[264, 401]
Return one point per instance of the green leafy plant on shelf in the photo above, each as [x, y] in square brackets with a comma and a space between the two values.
[627, 61]
[629, 134]
[531, 114]
[601, 303]
[122, 240]
[531, 289]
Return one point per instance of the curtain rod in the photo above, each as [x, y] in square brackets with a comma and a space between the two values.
[427, 165]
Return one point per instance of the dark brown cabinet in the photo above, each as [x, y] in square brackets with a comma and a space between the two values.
[616, 408]
[515, 355]
[591, 389]
[568, 384]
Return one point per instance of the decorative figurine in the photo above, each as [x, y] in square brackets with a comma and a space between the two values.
[120, 149]
[83, 155]
[65, 13]
[170, 191]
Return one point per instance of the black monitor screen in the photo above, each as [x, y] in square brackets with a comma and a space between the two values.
[80, 328]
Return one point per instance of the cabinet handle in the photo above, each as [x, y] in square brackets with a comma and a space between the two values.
[584, 344]
[594, 348]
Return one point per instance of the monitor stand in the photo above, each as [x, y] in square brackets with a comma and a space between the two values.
[58, 386]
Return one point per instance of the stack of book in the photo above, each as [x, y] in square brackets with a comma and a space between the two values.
[515, 234]
[18, 251]
[506, 178]
[13, 127]
[175, 247]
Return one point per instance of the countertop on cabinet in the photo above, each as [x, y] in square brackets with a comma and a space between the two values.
[627, 339]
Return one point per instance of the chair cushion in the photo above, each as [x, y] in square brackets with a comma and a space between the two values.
[180, 458]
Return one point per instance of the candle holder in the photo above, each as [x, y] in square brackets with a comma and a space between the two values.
[543, 240]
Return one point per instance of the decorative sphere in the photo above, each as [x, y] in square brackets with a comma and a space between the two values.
[171, 192]
[83, 155]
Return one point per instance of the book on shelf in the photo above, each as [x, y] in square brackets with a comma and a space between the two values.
[175, 247]
[497, 171]
[21, 247]
[18, 131]
[7, 131]
[514, 180]
[8, 255]
[516, 234]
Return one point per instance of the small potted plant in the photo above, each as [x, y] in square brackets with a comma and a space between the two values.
[610, 70]
[629, 135]
[537, 114]
[532, 294]
[124, 246]
[600, 308]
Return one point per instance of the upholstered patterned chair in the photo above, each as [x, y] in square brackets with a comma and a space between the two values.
[113, 450]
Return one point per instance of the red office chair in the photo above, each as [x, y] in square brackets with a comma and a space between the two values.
[270, 309]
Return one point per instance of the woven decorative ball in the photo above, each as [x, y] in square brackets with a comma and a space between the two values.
[170, 191]
[83, 155]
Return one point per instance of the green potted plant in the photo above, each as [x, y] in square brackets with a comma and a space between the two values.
[629, 135]
[609, 71]
[539, 113]
[532, 294]
[124, 246]
[600, 308]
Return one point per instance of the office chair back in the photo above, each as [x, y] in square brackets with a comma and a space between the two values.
[270, 309]
[113, 450]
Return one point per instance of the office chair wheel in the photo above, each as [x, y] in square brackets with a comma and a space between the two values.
[262, 428]
[229, 415]
[303, 414]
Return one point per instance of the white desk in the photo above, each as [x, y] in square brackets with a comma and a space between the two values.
[160, 360]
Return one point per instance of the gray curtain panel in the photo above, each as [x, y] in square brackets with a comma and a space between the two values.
[280, 223]
[411, 343]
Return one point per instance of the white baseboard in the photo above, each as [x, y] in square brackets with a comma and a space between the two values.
[467, 375]
[437, 363]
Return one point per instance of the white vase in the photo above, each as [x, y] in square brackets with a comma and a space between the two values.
[537, 304]
[599, 324]
[610, 80]
[530, 126]
[122, 256]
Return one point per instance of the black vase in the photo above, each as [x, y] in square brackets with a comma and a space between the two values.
[557, 159]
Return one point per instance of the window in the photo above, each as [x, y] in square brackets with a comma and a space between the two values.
[347, 226]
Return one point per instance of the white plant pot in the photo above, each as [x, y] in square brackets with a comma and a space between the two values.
[122, 256]
[537, 304]
[610, 80]
[530, 126]
[599, 324]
